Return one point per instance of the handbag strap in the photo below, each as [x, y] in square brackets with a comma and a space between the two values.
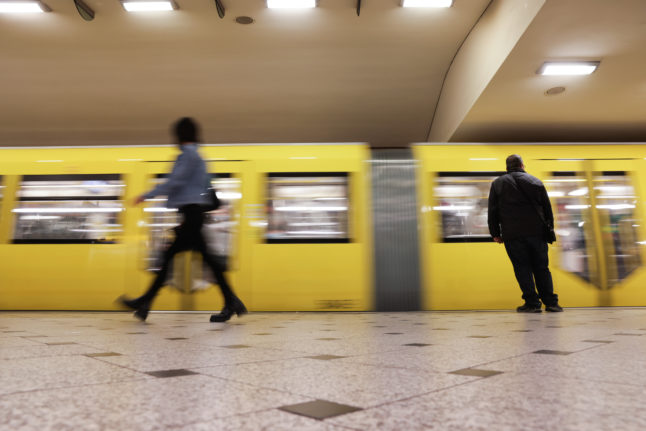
[540, 215]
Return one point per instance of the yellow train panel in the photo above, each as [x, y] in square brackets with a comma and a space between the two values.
[44, 277]
[603, 267]
[309, 277]
[91, 276]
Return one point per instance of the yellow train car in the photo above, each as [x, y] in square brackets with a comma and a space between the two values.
[294, 228]
[597, 194]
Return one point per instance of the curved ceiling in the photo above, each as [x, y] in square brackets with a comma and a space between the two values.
[316, 75]
[607, 106]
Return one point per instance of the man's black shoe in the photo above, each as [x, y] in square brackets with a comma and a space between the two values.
[526, 308]
[554, 308]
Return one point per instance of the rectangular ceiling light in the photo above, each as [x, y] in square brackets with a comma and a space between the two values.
[148, 6]
[291, 4]
[568, 68]
[427, 3]
[23, 7]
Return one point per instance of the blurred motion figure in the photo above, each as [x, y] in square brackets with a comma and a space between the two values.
[519, 212]
[186, 188]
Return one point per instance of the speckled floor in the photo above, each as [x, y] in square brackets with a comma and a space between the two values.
[584, 369]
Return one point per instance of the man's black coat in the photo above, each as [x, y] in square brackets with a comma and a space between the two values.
[511, 216]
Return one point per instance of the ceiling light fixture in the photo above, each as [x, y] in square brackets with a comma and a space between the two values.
[149, 6]
[427, 3]
[568, 68]
[291, 4]
[23, 7]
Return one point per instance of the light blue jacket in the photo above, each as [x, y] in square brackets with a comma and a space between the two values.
[187, 183]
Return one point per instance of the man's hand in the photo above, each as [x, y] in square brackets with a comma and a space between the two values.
[139, 199]
[497, 239]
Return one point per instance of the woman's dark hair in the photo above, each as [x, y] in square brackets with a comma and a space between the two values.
[186, 130]
[514, 162]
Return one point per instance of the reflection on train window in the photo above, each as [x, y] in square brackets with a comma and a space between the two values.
[569, 194]
[304, 208]
[220, 226]
[462, 200]
[615, 203]
[69, 209]
[614, 210]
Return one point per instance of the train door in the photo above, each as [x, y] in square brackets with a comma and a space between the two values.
[189, 279]
[596, 210]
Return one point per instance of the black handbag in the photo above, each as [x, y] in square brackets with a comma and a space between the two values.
[548, 230]
[213, 202]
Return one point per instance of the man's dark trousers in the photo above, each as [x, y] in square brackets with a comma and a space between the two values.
[528, 255]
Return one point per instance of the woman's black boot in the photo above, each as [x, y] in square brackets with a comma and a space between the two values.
[234, 307]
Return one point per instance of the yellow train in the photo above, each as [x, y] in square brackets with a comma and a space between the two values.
[316, 227]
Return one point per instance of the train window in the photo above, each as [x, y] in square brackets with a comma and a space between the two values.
[462, 200]
[569, 194]
[68, 209]
[307, 208]
[220, 225]
[162, 220]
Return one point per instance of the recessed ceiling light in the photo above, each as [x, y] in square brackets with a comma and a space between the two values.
[23, 7]
[427, 3]
[149, 6]
[291, 4]
[562, 68]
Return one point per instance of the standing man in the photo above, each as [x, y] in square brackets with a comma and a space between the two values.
[186, 189]
[519, 209]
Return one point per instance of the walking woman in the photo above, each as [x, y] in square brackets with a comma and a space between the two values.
[186, 189]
